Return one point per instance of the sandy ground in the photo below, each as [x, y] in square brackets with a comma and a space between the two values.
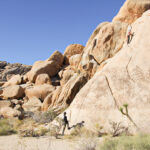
[14, 142]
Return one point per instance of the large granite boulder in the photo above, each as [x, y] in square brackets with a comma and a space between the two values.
[33, 105]
[71, 50]
[43, 79]
[8, 112]
[12, 92]
[14, 80]
[125, 79]
[50, 66]
[131, 10]
[39, 91]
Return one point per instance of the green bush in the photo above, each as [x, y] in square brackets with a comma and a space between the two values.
[6, 128]
[127, 143]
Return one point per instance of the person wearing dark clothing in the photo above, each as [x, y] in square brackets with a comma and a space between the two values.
[66, 123]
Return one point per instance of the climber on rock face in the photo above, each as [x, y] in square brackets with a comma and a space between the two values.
[129, 34]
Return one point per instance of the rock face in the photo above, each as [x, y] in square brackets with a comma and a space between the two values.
[124, 79]
[93, 81]
[69, 91]
[131, 10]
[66, 75]
[63, 96]
[51, 66]
[105, 42]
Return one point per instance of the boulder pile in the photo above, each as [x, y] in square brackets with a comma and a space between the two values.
[49, 84]
[94, 82]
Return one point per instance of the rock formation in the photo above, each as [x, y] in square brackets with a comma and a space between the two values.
[7, 70]
[94, 81]
[132, 10]
[50, 84]
[125, 79]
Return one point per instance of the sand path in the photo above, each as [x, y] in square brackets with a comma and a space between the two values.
[14, 142]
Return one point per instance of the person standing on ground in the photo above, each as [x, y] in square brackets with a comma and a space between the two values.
[66, 123]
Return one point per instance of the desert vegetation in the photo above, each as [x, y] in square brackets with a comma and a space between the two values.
[6, 127]
[140, 142]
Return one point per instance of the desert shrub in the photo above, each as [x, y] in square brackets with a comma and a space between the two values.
[31, 128]
[26, 128]
[86, 144]
[99, 130]
[127, 143]
[55, 129]
[44, 117]
[33, 132]
[6, 128]
[118, 129]
[81, 132]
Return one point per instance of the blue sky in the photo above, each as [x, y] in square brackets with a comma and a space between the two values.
[32, 30]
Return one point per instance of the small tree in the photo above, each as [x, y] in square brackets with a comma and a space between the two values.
[126, 113]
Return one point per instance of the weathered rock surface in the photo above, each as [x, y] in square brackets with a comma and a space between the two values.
[39, 91]
[7, 70]
[69, 91]
[64, 95]
[47, 102]
[66, 75]
[50, 66]
[43, 79]
[124, 79]
[5, 103]
[71, 50]
[8, 112]
[74, 61]
[14, 80]
[131, 10]
[105, 42]
[12, 92]
[34, 104]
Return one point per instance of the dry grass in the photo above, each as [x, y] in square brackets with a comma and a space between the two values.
[6, 128]
[87, 144]
[141, 142]
[78, 132]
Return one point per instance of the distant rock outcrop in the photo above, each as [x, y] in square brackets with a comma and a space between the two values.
[7, 70]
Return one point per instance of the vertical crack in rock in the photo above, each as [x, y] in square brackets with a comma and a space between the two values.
[111, 92]
[127, 69]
